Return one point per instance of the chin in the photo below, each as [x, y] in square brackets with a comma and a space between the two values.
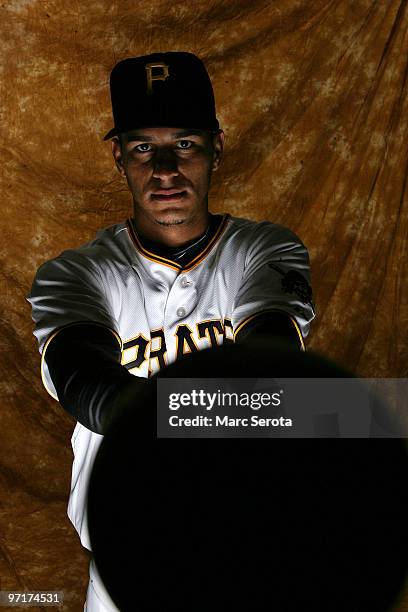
[170, 222]
[171, 217]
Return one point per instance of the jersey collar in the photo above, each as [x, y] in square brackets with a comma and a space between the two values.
[197, 257]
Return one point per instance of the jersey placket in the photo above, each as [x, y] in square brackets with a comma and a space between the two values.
[181, 303]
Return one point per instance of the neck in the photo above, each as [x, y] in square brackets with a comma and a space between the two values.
[171, 235]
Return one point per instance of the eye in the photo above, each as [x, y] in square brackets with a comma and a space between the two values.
[143, 148]
[185, 144]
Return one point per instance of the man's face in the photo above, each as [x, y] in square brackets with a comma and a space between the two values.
[168, 171]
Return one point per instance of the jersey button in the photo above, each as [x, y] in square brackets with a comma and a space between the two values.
[184, 282]
[181, 312]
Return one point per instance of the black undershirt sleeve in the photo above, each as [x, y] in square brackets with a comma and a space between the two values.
[84, 364]
[270, 326]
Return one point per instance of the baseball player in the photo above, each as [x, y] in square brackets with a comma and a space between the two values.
[170, 280]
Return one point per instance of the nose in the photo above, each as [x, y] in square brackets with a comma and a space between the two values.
[165, 165]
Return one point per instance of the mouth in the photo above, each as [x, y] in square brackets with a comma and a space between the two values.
[168, 195]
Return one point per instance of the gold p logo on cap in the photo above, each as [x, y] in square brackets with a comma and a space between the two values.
[157, 77]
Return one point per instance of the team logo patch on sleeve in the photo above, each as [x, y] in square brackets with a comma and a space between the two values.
[294, 282]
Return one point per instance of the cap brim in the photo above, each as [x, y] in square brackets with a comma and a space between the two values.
[111, 133]
[151, 124]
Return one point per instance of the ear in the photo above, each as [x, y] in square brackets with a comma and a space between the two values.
[218, 146]
[117, 155]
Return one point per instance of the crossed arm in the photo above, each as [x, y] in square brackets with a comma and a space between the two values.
[84, 364]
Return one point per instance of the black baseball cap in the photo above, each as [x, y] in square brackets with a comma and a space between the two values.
[169, 89]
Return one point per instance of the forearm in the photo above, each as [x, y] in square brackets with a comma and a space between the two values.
[84, 364]
[273, 326]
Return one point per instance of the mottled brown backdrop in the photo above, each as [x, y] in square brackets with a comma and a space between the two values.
[312, 98]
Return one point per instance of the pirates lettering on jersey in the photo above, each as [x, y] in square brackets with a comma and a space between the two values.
[228, 332]
[135, 350]
[184, 341]
[211, 330]
[158, 348]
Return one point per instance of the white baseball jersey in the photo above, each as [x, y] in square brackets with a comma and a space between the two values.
[158, 310]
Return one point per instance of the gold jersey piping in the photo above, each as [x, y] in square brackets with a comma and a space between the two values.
[168, 262]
